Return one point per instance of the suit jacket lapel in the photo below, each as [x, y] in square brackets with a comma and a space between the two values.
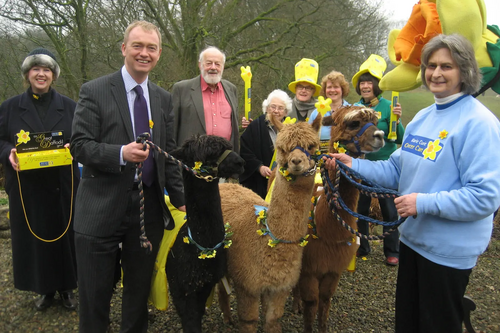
[197, 97]
[155, 104]
[29, 115]
[120, 97]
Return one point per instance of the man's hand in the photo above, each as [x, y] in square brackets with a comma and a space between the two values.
[133, 152]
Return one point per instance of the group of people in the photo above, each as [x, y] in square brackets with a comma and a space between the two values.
[449, 185]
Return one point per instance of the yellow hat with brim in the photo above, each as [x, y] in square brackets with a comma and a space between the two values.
[375, 65]
[306, 71]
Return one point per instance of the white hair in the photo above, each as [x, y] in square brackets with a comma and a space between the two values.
[212, 48]
[281, 95]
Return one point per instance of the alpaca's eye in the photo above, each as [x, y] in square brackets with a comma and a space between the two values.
[353, 124]
[310, 147]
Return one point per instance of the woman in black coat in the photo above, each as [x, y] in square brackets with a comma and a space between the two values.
[40, 199]
[257, 142]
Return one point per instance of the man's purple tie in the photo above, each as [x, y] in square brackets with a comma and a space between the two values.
[141, 120]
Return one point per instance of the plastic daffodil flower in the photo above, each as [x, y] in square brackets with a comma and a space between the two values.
[336, 145]
[432, 149]
[443, 134]
[260, 232]
[289, 121]
[341, 150]
[23, 137]
[272, 243]
[151, 124]
[323, 105]
[197, 166]
[186, 240]
[228, 243]
[203, 255]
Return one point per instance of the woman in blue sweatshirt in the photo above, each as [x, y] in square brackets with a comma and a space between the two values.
[449, 181]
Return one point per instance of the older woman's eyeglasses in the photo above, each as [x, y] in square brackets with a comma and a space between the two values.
[274, 107]
[301, 87]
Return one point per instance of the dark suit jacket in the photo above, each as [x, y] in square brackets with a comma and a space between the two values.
[256, 149]
[189, 113]
[101, 126]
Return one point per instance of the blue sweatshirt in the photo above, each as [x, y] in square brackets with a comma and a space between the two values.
[450, 156]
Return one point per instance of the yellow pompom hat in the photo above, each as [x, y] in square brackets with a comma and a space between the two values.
[306, 70]
[375, 65]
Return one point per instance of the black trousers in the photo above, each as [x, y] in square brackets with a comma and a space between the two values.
[428, 296]
[96, 259]
[390, 214]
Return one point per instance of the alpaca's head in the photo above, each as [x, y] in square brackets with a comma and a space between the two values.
[355, 129]
[292, 143]
[209, 150]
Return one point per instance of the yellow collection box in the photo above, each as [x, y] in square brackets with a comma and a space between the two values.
[44, 159]
[41, 150]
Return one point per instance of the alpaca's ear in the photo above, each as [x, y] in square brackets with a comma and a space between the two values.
[177, 153]
[277, 124]
[328, 121]
[317, 122]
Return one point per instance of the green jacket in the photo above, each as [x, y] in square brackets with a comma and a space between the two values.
[383, 108]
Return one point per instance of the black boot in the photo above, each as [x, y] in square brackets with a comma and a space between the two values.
[44, 301]
[68, 299]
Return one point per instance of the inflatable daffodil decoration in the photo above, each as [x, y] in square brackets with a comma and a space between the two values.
[323, 105]
[289, 121]
[432, 17]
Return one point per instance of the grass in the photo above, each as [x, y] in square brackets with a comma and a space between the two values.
[415, 100]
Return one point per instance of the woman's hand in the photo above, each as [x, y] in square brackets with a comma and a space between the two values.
[406, 205]
[13, 159]
[330, 162]
[245, 122]
[265, 171]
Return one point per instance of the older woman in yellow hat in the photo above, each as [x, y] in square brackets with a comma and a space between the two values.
[305, 89]
[366, 82]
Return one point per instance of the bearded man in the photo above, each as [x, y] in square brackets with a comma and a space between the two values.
[206, 104]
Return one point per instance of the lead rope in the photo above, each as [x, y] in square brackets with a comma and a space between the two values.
[372, 189]
[144, 139]
[26, 215]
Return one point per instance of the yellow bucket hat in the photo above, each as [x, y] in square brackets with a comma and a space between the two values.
[375, 65]
[306, 70]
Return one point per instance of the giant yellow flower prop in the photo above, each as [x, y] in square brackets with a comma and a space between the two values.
[323, 105]
[432, 149]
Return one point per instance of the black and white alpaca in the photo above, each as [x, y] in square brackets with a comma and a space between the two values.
[190, 278]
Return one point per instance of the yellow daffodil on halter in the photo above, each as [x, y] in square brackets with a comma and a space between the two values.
[303, 241]
[23, 137]
[186, 240]
[151, 124]
[339, 148]
[197, 166]
[284, 172]
[432, 149]
[443, 134]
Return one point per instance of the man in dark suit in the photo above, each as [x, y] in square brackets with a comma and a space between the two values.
[207, 104]
[107, 202]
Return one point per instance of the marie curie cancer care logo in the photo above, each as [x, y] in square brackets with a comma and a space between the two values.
[424, 147]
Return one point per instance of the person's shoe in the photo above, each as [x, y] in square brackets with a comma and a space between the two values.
[392, 261]
[44, 301]
[362, 254]
[68, 299]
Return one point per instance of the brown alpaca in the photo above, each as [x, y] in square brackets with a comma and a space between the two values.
[326, 257]
[258, 271]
